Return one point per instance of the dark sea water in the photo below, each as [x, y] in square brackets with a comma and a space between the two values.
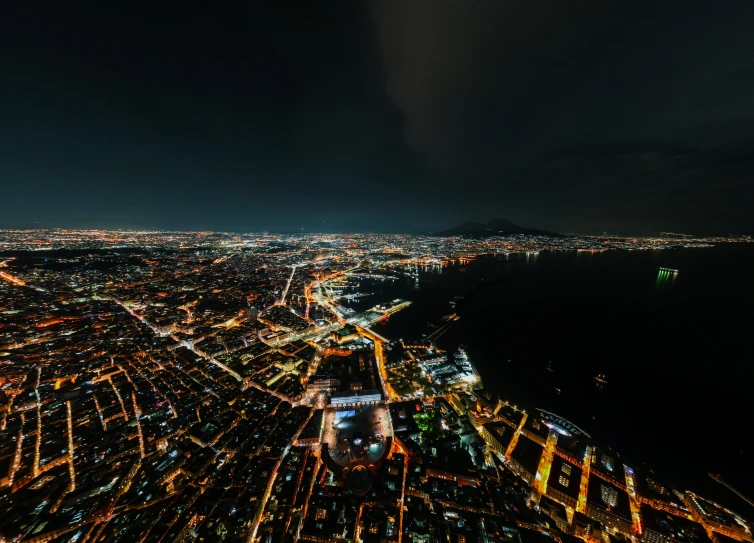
[678, 354]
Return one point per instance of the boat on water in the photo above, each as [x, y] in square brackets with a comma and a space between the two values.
[601, 379]
[467, 368]
[462, 359]
[549, 366]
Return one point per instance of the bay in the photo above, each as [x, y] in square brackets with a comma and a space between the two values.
[676, 350]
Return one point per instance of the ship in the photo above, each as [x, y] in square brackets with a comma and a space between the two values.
[549, 366]
[601, 379]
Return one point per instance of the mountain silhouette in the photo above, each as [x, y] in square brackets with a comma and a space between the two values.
[492, 228]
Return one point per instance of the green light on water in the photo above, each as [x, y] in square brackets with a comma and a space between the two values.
[664, 275]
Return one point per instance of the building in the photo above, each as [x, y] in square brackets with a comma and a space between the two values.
[586, 528]
[716, 518]
[662, 527]
[360, 397]
[525, 459]
[564, 482]
[497, 435]
[608, 504]
[556, 511]
[458, 404]
[320, 383]
[344, 335]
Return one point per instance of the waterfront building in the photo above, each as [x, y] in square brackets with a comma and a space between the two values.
[360, 397]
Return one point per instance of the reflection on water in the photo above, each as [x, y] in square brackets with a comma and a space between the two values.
[666, 276]
[671, 343]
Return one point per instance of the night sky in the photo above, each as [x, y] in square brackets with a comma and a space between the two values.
[392, 116]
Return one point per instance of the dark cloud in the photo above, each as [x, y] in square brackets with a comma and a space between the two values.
[581, 101]
[392, 115]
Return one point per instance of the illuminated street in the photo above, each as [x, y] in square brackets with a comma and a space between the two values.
[238, 375]
[394, 271]
[545, 463]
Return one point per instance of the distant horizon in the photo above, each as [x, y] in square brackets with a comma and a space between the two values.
[139, 229]
[220, 220]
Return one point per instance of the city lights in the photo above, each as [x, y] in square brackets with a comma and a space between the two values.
[241, 387]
